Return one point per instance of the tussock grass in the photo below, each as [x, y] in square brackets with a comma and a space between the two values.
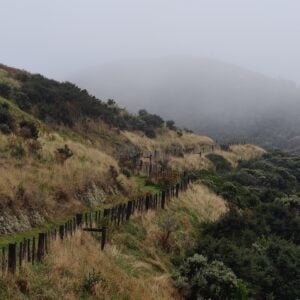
[134, 265]
[189, 162]
[166, 138]
[241, 152]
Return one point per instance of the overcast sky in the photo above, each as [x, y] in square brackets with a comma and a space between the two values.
[59, 37]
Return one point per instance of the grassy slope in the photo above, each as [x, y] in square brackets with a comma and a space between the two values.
[135, 265]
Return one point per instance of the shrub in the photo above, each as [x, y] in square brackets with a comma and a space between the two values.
[171, 125]
[6, 120]
[29, 130]
[90, 281]
[4, 90]
[126, 172]
[200, 279]
[62, 154]
[5, 129]
[220, 163]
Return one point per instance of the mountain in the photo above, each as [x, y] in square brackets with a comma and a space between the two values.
[222, 100]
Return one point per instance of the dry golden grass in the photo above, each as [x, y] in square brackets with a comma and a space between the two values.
[241, 152]
[67, 267]
[166, 138]
[134, 265]
[204, 203]
[189, 162]
[54, 186]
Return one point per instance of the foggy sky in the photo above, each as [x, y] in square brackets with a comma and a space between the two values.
[60, 37]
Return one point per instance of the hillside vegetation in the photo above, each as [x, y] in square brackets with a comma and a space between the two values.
[255, 246]
[63, 151]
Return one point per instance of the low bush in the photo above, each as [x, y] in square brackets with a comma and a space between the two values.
[28, 130]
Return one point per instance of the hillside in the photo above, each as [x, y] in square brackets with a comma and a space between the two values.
[234, 202]
[62, 149]
[210, 97]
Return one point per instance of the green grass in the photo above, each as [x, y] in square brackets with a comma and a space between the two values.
[144, 186]
[28, 234]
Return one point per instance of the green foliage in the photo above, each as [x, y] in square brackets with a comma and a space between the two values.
[171, 125]
[90, 281]
[220, 163]
[5, 129]
[203, 280]
[65, 103]
[126, 172]
[4, 90]
[6, 120]
[259, 237]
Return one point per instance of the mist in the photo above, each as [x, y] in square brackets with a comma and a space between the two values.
[208, 96]
[227, 69]
[58, 38]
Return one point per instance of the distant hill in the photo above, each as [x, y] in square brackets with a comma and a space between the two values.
[210, 97]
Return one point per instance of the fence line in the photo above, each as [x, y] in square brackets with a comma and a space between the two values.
[33, 250]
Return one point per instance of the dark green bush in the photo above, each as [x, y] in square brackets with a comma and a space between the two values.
[200, 279]
[4, 90]
[6, 120]
[4, 128]
[220, 163]
[126, 172]
[259, 237]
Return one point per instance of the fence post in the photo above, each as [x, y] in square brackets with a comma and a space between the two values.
[103, 237]
[41, 247]
[3, 261]
[128, 210]
[33, 251]
[12, 258]
[61, 231]
[177, 190]
[147, 202]
[79, 220]
[20, 254]
[163, 199]
[28, 250]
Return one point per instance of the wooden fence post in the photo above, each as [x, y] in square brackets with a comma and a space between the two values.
[20, 254]
[3, 262]
[12, 258]
[163, 199]
[41, 247]
[28, 251]
[33, 251]
[103, 237]
[177, 190]
[128, 210]
[61, 231]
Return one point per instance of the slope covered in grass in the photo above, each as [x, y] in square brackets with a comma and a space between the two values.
[137, 264]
